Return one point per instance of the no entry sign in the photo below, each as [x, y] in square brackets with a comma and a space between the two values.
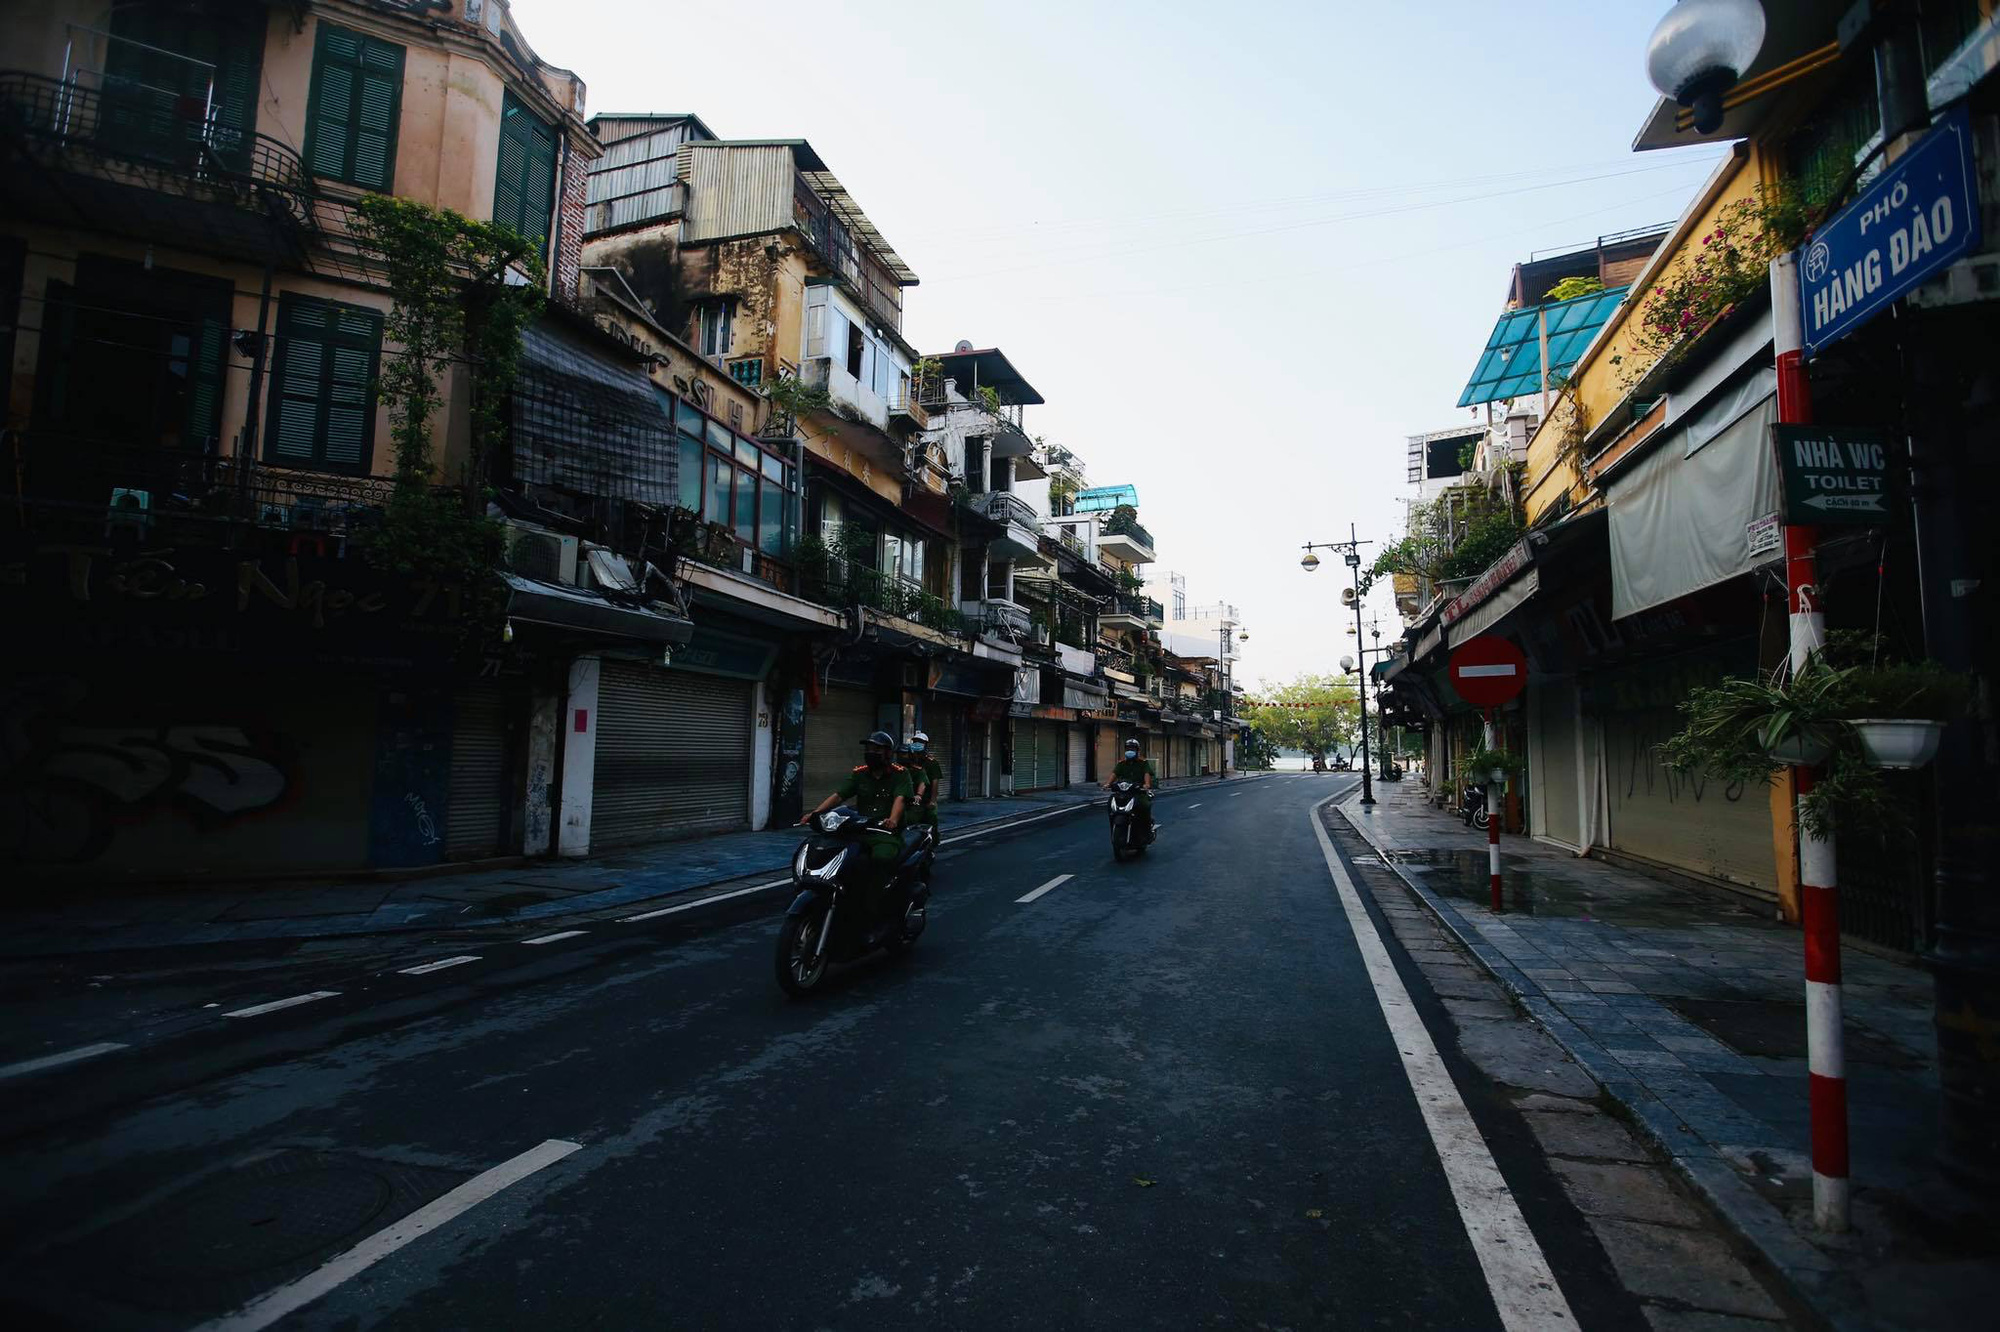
[1488, 671]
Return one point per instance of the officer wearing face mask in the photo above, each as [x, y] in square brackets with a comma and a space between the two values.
[925, 773]
[880, 790]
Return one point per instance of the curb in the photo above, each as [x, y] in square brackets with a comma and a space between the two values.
[417, 919]
[1807, 1271]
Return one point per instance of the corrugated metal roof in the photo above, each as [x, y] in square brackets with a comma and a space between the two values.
[810, 167]
[828, 187]
[1511, 364]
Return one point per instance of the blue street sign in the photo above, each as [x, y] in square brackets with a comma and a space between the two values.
[1918, 216]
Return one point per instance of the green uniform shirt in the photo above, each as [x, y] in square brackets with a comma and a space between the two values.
[935, 771]
[1134, 770]
[875, 796]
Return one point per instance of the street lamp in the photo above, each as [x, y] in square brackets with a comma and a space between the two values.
[1700, 49]
[1222, 679]
[1352, 558]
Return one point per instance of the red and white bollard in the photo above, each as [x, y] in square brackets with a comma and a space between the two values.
[1492, 826]
[1819, 899]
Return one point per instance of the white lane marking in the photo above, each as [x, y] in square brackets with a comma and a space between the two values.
[551, 938]
[257, 1009]
[58, 1060]
[1523, 1289]
[1056, 882]
[1195, 805]
[269, 1307]
[438, 965]
[719, 897]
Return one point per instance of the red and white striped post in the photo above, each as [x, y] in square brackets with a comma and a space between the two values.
[1492, 826]
[1819, 901]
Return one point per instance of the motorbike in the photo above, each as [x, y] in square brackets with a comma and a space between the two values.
[1472, 806]
[1131, 831]
[829, 920]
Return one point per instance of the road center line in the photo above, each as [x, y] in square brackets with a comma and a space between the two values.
[438, 965]
[1517, 1275]
[256, 1010]
[269, 1307]
[81, 1052]
[1195, 805]
[702, 902]
[1056, 882]
[551, 938]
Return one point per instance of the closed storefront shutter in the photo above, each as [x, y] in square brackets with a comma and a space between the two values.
[673, 754]
[478, 792]
[1689, 822]
[1079, 755]
[1050, 754]
[834, 732]
[1552, 751]
[938, 725]
[978, 749]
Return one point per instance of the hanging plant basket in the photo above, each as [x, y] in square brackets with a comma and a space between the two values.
[1897, 742]
[1804, 749]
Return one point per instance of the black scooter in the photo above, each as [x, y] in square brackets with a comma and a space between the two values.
[1472, 806]
[830, 921]
[1131, 831]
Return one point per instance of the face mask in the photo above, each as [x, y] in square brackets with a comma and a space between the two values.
[877, 759]
[917, 748]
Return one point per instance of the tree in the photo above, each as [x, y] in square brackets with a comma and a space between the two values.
[1315, 713]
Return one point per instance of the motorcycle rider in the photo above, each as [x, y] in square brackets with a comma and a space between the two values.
[925, 774]
[881, 791]
[1139, 772]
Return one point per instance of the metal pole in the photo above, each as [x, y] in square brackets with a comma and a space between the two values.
[1819, 897]
[1492, 826]
[1361, 694]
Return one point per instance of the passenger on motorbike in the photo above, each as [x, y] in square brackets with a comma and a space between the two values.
[880, 790]
[925, 774]
[1139, 772]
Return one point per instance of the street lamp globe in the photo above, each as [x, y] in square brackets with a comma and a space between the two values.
[1347, 664]
[1700, 49]
[1242, 635]
[1310, 562]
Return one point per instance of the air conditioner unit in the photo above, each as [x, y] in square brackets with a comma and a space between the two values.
[536, 552]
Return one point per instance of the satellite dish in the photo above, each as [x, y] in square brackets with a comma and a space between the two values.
[963, 346]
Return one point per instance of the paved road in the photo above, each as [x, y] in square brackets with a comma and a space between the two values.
[1160, 1094]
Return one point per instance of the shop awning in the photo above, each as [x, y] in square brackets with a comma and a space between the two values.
[1511, 364]
[1678, 513]
[1496, 607]
[530, 601]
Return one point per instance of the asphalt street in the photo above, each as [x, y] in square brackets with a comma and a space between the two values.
[1159, 1094]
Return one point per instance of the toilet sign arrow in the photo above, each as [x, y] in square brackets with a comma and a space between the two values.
[1488, 671]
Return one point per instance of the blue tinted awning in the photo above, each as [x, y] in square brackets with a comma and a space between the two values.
[1511, 365]
[1106, 497]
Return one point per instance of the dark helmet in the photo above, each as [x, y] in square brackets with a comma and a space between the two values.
[882, 738]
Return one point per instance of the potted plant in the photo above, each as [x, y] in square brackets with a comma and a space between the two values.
[1495, 764]
[1898, 710]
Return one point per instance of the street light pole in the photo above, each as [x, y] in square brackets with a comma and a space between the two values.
[1351, 553]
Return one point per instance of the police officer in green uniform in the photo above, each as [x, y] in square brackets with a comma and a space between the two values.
[1140, 773]
[881, 790]
[927, 773]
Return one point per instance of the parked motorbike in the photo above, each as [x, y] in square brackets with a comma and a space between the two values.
[1131, 831]
[1472, 806]
[830, 920]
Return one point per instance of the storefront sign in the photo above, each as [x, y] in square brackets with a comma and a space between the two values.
[715, 652]
[1918, 216]
[1496, 575]
[1836, 476]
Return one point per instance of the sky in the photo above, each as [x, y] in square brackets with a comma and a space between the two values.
[1242, 250]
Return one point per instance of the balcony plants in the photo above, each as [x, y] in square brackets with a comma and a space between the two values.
[1848, 714]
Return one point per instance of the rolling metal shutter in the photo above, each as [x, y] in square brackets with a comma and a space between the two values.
[476, 794]
[938, 725]
[673, 754]
[1079, 756]
[978, 737]
[834, 732]
[1049, 756]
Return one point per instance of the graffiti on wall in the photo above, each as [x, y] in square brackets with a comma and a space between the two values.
[69, 781]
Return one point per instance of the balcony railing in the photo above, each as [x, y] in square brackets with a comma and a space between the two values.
[147, 127]
[719, 548]
[833, 582]
[906, 402]
[837, 248]
[1123, 524]
[1002, 507]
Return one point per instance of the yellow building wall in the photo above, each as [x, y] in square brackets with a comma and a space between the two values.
[1601, 381]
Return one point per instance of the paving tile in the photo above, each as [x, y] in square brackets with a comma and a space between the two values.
[1621, 1189]
[1696, 1320]
[1684, 1266]
[1592, 1136]
[1648, 1058]
[1610, 986]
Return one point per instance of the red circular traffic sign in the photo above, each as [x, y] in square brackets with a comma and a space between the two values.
[1488, 671]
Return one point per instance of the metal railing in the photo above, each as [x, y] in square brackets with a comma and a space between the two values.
[147, 127]
[1005, 508]
[836, 247]
[719, 548]
[904, 400]
[834, 582]
[1125, 525]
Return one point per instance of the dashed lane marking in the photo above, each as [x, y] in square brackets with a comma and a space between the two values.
[439, 965]
[702, 902]
[1517, 1275]
[551, 938]
[268, 1308]
[257, 1010]
[77, 1055]
[1056, 882]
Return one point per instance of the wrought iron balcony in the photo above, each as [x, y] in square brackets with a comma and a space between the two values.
[135, 159]
[1007, 508]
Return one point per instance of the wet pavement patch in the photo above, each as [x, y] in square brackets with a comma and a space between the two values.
[224, 1241]
[1535, 888]
[1773, 1030]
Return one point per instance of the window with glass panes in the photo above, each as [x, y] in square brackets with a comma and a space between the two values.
[735, 482]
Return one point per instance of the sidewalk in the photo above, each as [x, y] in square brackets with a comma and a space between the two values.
[250, 910]
[1687, 1005]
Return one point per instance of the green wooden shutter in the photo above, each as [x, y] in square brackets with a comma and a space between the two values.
[354, 109]
[322, 406]
[524, 186]
[205, 370]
